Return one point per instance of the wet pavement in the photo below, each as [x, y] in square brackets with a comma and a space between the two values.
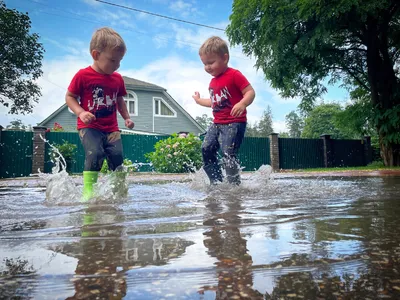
[288, 237]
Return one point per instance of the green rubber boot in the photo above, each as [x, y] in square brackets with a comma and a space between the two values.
[88, 219]
[89, 178]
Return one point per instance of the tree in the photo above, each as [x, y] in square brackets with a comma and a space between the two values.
[300, 44]
[265, 124]
[323, 120]
[251, 130]
[204, 121]
[20, 61]
[16, 125]
[284, 135]
[357, 118]
[295, 124]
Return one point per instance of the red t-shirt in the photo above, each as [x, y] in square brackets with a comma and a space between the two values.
[98, 94]
[225, 91]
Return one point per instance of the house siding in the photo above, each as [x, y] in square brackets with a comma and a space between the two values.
[65, 118]
[143, 121]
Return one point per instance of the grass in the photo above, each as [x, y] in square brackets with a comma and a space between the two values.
[374, 166]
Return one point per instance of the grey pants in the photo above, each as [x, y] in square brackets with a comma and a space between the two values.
[227, 138]
[100, 145]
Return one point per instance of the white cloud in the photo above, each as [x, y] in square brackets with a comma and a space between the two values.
[57, 75]
[184, 8]
[181, 75]
[279, 126]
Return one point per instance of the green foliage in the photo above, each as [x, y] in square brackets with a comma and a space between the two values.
[66, 149]
[389, 128]
[18, 125]
[376, 165]
[262, 128]
[176, 154]
[127, 163]
[295, 124]
[20, 61]
[323, 120]
[284, 135]
[302, 45]
[204, 121]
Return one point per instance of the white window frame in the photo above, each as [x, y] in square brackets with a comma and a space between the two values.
[166, 104]
[127, 100]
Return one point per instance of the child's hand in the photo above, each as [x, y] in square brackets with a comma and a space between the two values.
[238, 109]
[86, 117]
[129, 123]
[196, 97]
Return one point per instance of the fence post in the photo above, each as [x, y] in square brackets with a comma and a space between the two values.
[39, 145]
[367, 150]
[328, 153]
[274, 150]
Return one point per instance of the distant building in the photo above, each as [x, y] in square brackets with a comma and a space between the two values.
[152, 109]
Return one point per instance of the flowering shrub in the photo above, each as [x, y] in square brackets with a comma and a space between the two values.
[57, 127]
[176, 154]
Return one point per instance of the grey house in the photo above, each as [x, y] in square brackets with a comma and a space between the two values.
[152, 109]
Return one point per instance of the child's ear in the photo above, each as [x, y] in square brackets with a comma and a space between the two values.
[226, 58]
[95, 54]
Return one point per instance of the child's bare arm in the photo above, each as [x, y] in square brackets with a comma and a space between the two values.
[248, 97]
[201, 101]
[123, 110]
[72, 102]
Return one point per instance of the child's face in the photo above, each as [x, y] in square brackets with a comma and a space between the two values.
[107, 61]
[215, 64]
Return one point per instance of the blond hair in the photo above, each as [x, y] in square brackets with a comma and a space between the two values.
[106, 38]
[214, 45]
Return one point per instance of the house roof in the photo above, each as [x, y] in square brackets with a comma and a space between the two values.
[138, 84]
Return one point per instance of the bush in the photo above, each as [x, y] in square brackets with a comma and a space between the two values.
[378, 164]
[127, 162]
[67, 150]
[176, 154]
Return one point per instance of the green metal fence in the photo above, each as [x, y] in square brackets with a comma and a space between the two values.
[301, 153]
[135, 147]
[15, 154]
[348, 153]
[254, 152]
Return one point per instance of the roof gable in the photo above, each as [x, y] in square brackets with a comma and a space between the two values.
[139, 84]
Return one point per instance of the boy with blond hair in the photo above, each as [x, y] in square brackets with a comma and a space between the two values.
[94, 95]
[230, 94]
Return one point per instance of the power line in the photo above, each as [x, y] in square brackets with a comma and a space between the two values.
[71, 14]
[158, 15]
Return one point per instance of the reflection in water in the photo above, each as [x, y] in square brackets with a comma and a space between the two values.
[99, 271]
[17, 279]
[293, 238]
[225, 242]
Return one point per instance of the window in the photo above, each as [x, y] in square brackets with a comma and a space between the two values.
[161, 108]
[131, 102]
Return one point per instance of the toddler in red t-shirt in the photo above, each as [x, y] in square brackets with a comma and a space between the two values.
[230, 94]
[94, 95]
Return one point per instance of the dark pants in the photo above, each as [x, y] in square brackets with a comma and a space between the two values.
[228, 138]
[99, 145]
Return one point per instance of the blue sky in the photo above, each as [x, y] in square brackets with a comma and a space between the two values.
[160, 51]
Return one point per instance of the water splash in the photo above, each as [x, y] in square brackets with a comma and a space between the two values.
[254, 182]
[62, 189]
